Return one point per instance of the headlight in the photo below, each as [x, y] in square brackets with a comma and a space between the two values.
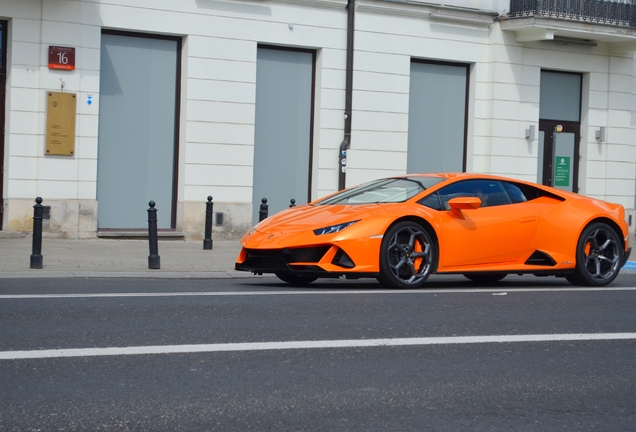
[333, 228]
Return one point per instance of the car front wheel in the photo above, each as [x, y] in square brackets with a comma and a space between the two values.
[599, 254]
[408, 256]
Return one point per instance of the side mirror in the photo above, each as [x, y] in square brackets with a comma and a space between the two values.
[463, 203]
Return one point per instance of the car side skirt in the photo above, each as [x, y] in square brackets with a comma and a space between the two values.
[330, 261]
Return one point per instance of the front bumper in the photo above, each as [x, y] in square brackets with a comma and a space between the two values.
[315, 260]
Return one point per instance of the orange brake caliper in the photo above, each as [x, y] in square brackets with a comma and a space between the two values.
[417, 262]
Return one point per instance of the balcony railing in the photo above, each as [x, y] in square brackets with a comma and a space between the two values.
[613, 12]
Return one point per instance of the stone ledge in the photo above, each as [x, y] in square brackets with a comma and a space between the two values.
[13, 234]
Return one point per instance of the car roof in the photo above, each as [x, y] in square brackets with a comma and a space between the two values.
[467, 175]
[453, 175]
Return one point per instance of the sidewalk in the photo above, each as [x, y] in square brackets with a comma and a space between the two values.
[127, 258]
[118, 258]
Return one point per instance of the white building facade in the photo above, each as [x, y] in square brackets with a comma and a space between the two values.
[243, 100]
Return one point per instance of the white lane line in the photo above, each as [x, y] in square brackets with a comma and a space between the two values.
[326, 292]
[268, 346]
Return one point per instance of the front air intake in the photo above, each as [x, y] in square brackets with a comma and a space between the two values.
[309, 254]
[343, 260]
[275, 260]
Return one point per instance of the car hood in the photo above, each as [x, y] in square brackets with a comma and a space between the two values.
[311, 217]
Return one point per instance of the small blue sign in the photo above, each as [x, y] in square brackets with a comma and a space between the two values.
[89, 100]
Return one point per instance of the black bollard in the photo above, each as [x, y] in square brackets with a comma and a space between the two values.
[153, 258]
[207, 241]
[36, 253]
[292, 203]
[262, 213]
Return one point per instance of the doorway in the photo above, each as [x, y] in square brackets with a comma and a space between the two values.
[559, 130]
[559, 145]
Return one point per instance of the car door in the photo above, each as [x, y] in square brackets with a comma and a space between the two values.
[501, 230]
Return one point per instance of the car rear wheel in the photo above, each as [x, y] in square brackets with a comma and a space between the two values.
[599, 254]
[408, 256]
[295, 279]
[485, 278]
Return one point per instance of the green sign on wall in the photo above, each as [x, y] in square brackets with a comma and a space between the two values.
[562, 171]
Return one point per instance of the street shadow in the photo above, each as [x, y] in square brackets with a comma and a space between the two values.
[435, 282]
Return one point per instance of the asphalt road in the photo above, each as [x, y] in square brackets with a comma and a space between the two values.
[255, 354]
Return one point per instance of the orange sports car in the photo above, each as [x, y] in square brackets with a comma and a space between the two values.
[402, 229]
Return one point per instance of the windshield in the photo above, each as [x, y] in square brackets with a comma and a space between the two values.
[390, 190]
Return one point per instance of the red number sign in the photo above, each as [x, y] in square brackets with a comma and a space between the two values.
[61, 57]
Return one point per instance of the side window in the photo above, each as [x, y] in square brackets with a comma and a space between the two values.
[467, 188]
[490, 192]
[515, 193]
[432, 201]
[528, 193]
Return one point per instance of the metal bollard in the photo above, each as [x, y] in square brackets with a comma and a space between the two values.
[153, 258]
[209, 208]
[262, 213]
[36, 253]
[292, 203]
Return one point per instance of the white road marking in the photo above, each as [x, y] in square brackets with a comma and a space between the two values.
[312, 292]
[268, 346]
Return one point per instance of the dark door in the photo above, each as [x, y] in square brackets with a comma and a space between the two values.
[3, 83]
[558, 153]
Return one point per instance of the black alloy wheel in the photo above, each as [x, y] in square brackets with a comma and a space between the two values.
[599, 254]
[295, 279]
[408, 256]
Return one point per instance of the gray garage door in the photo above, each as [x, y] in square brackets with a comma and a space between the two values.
[282, 141]
[137, 125]
[437, 117]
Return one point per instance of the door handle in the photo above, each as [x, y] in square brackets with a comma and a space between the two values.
[528, 219]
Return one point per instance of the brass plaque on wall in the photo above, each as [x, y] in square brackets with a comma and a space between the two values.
[60, 123]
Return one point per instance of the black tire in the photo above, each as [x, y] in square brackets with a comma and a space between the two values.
[599, 254]
[485, 278]
[295, 279]
[408, 256]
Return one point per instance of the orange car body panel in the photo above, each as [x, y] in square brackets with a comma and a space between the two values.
[497, 238]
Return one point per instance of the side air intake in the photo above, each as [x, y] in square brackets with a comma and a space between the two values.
[539, 258]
